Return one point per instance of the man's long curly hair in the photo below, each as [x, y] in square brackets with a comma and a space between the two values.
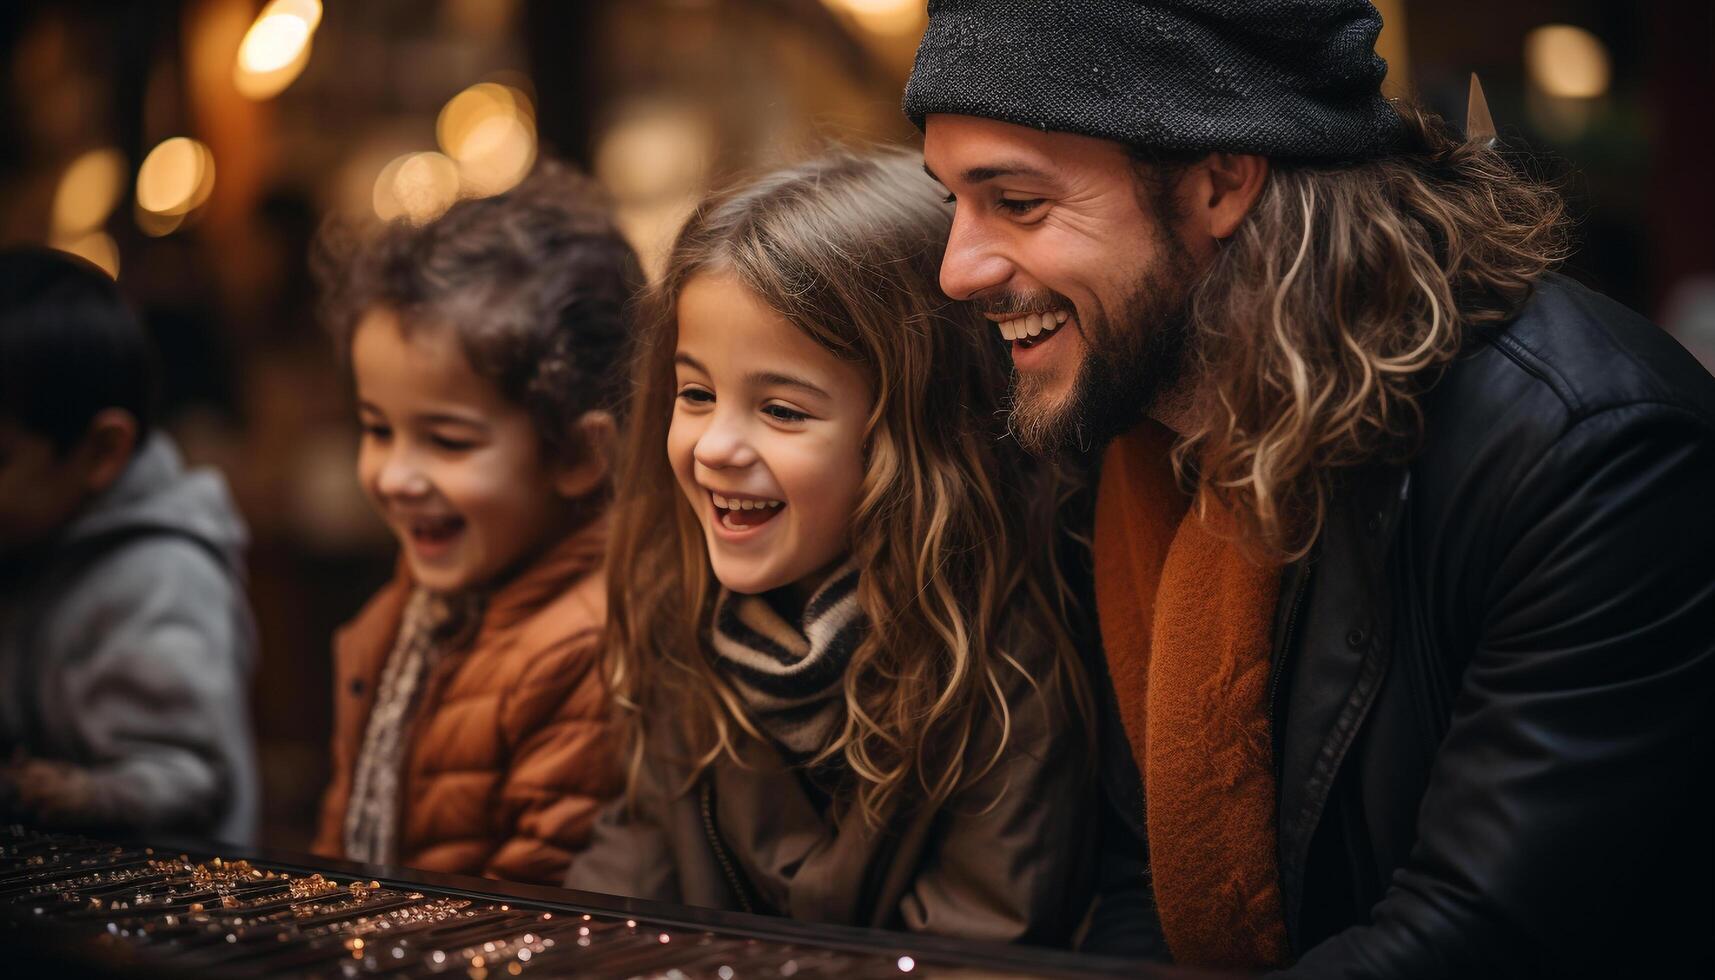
[1328, 315]
[952, 531]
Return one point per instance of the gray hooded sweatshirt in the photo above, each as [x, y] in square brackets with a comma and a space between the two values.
[127, 650]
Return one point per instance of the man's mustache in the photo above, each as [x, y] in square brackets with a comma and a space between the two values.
[1019, 304]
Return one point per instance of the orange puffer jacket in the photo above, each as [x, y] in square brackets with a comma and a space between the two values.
[509, 758]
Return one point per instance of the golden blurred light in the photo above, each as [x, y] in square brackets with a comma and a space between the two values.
[276, 48]
[308, 11]
[497, 155]
[272, 43]
[464, 111]
[489, 130]
[417, 187]
[654, 160]
[653, 153]
[97, 246]
[885, 16]
[176, 177]
[88, 191]
[1567, 62]
[384, 196]
[156, 225]
[523, 89]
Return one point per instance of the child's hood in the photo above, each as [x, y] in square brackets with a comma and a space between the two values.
[157, 495]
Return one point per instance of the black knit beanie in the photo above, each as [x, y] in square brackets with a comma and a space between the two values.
[1295, 79]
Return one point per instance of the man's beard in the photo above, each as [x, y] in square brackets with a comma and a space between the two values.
[1127, 367]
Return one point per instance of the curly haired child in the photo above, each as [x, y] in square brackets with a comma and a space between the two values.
[485, 347]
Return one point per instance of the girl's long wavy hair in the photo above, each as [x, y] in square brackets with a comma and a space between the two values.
[952, 534]
[1331, 312]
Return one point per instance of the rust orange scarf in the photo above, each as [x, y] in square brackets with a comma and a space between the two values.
[1186, 622]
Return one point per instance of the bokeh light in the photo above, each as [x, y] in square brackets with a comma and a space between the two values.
[96, 246]
[308, 11]
[892, 17]
[156, 225]
[416, 187]
[88, 192]
[655, 160]
[176, 178]
[1567, 62]
[489, 131]
[650, 152]
[276, 48]
[273, 43]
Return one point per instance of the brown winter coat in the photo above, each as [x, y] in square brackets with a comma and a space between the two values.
[509, 759]
[1006, 859]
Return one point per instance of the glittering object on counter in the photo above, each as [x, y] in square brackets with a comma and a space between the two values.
[221, 916]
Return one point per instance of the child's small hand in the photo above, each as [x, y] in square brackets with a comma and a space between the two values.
[9, 810]
[39, 790]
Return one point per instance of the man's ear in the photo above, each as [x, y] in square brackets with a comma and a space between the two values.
[591, 461]
[106, 448]
[1230, 186]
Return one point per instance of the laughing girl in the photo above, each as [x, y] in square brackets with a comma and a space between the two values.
[835, 632]
[470, 727]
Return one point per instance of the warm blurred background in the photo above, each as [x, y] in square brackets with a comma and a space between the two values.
[193, 147]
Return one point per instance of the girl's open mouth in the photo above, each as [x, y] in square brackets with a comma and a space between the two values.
[430, 535]
[743, 513]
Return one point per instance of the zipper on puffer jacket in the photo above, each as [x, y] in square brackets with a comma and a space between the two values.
[428, 702]
[740, 887]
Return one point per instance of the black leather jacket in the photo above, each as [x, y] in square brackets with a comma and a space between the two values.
[1494, 679]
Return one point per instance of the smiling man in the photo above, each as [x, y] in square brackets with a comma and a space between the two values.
[1404, 562]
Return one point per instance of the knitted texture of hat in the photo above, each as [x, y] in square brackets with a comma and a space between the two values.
[1295, 79]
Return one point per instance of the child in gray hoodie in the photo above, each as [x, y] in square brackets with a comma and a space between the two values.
[126, 642]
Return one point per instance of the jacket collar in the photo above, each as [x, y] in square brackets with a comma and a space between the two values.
[549, 576]
[156, 494]
[362, 646]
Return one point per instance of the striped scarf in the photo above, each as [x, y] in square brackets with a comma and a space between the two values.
[432, 626]
[790, 675]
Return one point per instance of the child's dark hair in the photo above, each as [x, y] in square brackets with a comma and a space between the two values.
[536, 283]
[69, 347]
